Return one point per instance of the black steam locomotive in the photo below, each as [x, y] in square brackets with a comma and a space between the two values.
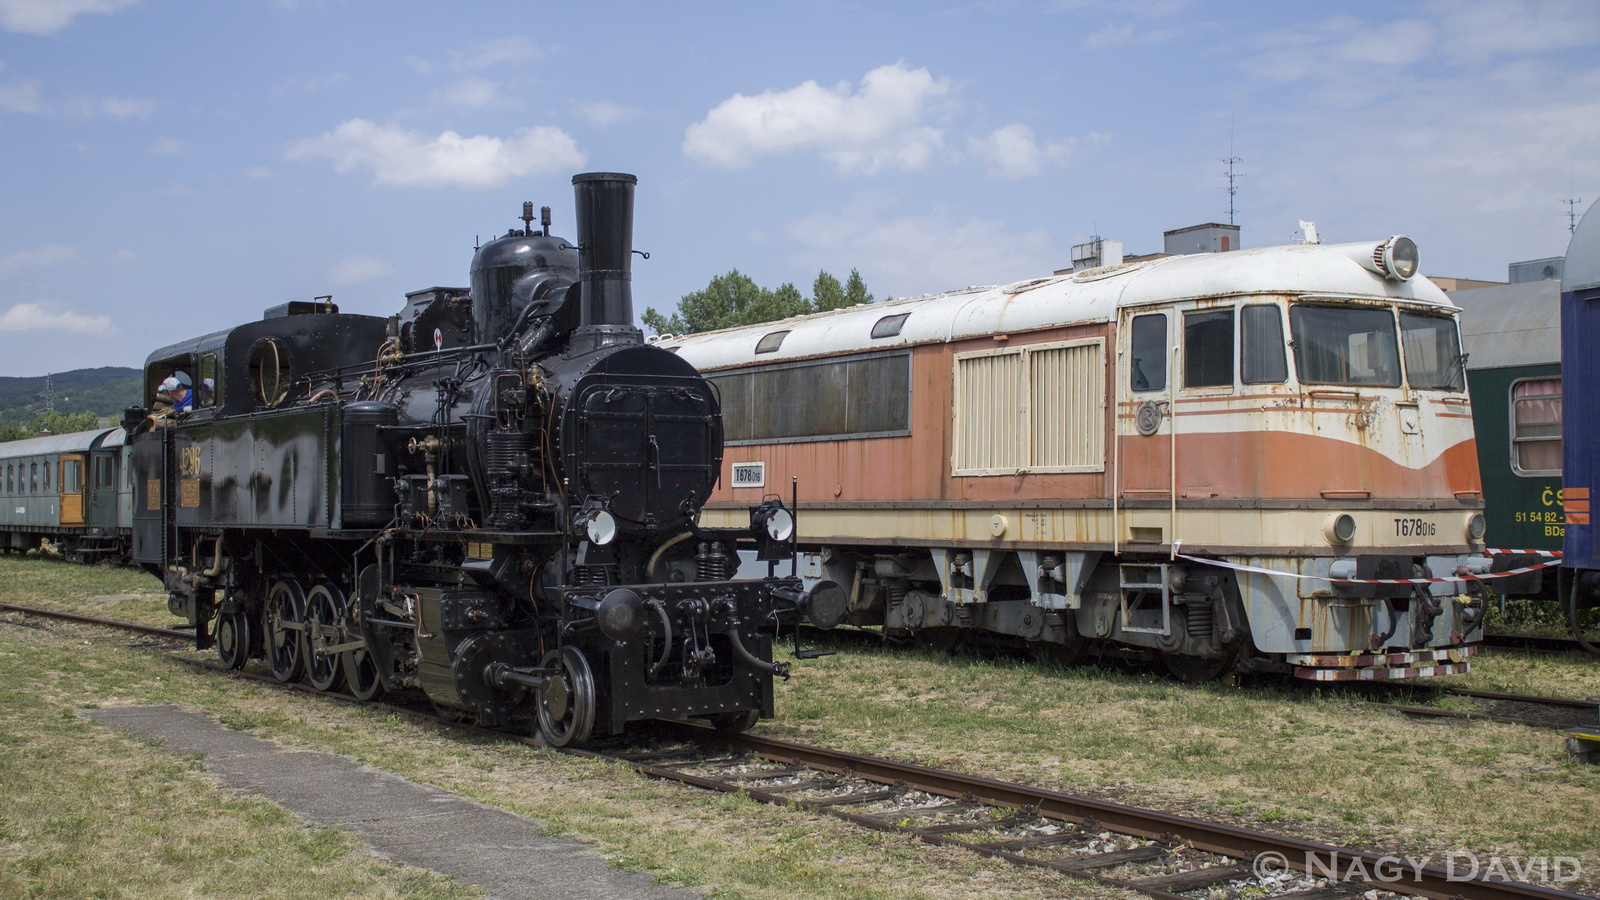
[491, 496]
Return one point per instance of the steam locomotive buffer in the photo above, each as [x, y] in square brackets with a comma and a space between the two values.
[491, 496]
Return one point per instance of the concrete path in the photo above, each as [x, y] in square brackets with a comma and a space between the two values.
[502, 853]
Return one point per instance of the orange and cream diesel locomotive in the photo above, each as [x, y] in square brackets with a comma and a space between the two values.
[1254, 460]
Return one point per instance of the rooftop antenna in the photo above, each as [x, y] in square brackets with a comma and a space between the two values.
[1233, 177]
[1572, 213]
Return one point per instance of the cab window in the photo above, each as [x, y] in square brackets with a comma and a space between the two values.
[1147, 367]
[1433, 352]
[1208, 348]
[1345, 345]
[1262, 358]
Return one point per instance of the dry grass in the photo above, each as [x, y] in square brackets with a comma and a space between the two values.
[1276, 754]
[1321, 762]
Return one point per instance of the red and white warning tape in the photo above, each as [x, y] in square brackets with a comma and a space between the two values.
[1492, 551]
[1240, 567]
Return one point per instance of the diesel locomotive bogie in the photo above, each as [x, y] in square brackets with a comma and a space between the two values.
[490, 497]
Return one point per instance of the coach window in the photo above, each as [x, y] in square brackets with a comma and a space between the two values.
[1147, 371]
[1536, 426]
[33, 478]
[1344, 345]
[1262, 359]
[11, 479]
[1433, 352]
[1208, 348]
[49, 465]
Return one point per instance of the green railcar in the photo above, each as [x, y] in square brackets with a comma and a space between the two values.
[1512, 335]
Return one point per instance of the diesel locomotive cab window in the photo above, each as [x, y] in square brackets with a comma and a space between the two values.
[1536, 426]
[1433, 352]
[1262, 359]
[1147, 370]
[1208, 348]
[1345, 345]
[860, 396]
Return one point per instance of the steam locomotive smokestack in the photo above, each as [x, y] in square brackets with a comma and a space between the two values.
[605, 233]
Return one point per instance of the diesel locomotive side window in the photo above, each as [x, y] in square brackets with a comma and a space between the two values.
[1208, 348]
[1147, 368]
[1536, 426]
[1262, 359]
[828, 399]
[1345, 345]
[1433, 352]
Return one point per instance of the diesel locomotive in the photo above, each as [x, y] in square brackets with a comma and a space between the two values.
[1256, 460]
[491, 496]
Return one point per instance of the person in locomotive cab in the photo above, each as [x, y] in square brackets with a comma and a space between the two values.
[205, 394]
[176, 387]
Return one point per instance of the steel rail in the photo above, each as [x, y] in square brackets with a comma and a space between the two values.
[94, 620]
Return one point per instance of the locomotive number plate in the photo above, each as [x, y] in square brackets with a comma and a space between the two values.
[749, 474]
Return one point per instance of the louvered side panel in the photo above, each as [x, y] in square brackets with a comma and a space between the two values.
[1067, 403]
[990, 436]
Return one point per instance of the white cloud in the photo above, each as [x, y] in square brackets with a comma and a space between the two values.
[603, 114]
[468, 93]
[881, 126]
[167, 146]
[27, 96]
[905, 255]
[511, 50]
[400, 157]
[48, 255]
[21, 96]
[1012, 151]
[34, 317]
[258, 172]
[358, 269]
[50, 16]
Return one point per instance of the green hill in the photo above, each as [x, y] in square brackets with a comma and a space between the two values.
[105, 391]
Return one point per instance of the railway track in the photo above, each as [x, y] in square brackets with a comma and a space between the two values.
[1510, 709]
[1154, 853]
[1532, 643]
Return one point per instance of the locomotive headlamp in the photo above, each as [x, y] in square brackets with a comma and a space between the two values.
[1397, 257]
[1477, 527]
[780, 524]
[1339, 528]
[599, 525]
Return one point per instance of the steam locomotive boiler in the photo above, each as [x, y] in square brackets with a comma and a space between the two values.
[491, 496]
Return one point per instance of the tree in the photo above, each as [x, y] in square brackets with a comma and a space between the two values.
[855, 290]
[734, 299]
[826, 293]
[50, 422]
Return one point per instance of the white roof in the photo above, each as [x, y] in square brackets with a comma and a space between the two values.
[1335, 270]
[52, 443]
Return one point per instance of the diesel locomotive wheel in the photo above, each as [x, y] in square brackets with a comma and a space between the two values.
[324, 612]
[284, 630]
[1063, 655]
[939, 640]
[234, 639]
[567, 704]
[1198, 669]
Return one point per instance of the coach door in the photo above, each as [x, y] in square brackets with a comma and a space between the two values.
[70, 482]
[1144, 424]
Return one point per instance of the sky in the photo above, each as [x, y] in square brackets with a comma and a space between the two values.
[171, 168]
